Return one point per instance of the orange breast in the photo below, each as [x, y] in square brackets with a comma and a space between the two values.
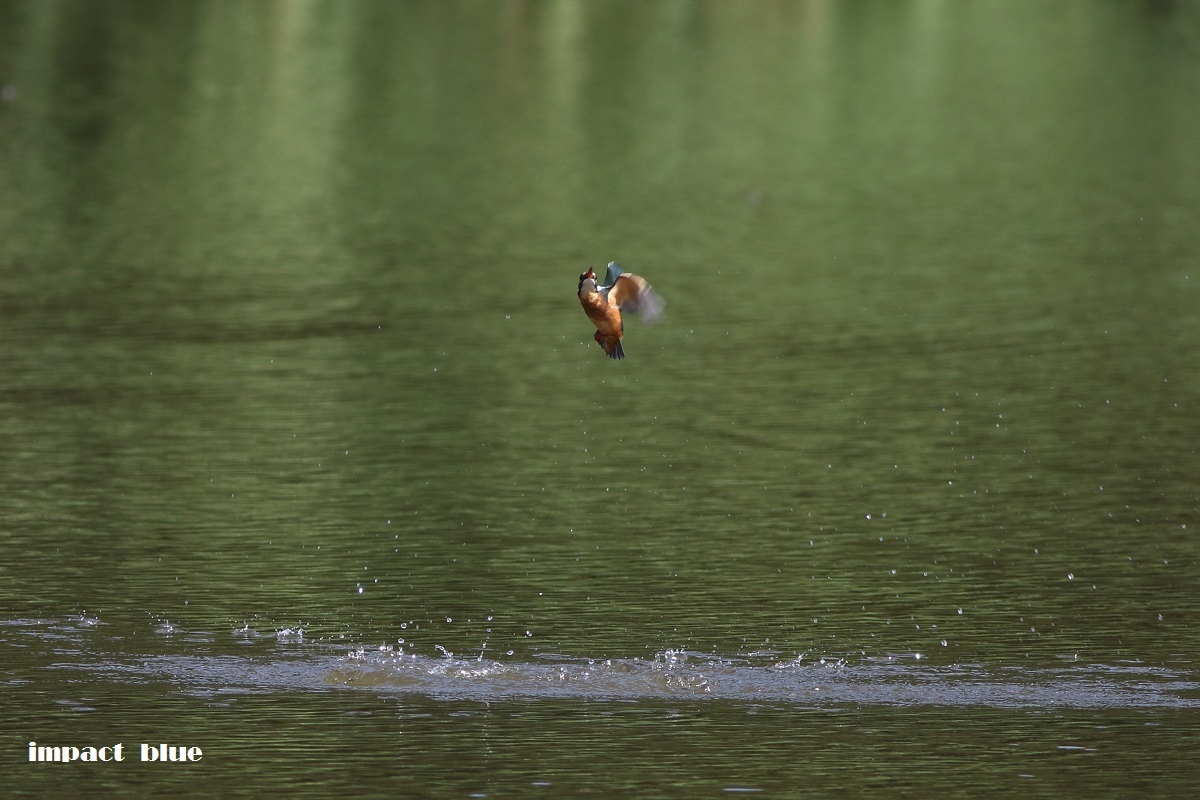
[605, 317]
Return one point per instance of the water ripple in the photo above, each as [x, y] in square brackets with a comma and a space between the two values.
[680, 675]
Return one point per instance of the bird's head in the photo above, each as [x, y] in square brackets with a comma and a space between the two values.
[584, 279]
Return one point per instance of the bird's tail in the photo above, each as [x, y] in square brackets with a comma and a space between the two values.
[617, 351]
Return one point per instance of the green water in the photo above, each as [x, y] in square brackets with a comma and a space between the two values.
[288, 340]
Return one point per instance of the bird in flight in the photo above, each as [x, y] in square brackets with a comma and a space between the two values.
[620, 292]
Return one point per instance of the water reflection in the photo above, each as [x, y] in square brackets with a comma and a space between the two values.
[284, 314]
[288, 343]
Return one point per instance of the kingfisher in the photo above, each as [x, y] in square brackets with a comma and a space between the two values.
[621, 291]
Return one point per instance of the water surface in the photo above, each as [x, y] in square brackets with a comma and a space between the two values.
[310, 458]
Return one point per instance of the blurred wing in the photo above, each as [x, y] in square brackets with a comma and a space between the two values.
[632, 294]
